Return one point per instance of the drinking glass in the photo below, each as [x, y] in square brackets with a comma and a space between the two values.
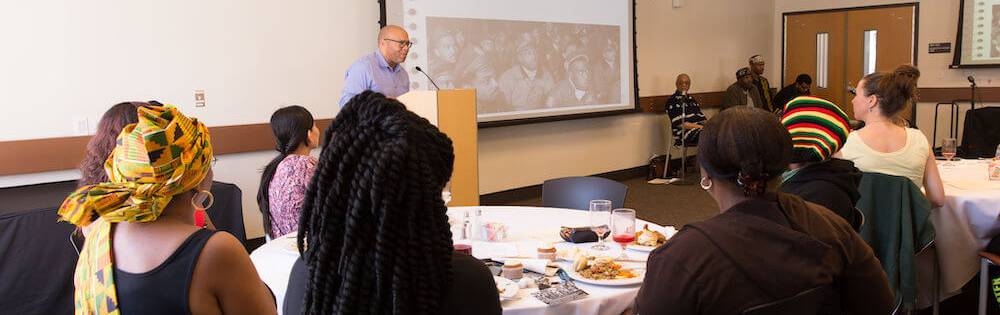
[600, 212]
[623, 227]
[948, 150]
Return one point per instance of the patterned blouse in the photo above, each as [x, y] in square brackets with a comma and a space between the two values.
[287, 191]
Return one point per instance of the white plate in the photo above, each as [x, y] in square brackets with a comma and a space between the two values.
[510, 288]
[641, 248]
[641, 274]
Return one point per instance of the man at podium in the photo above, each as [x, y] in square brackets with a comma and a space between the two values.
[380, 71]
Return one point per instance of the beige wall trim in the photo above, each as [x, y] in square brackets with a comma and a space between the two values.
[53, 154]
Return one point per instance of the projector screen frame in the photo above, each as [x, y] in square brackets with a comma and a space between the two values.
[522, 121]
[956, 59]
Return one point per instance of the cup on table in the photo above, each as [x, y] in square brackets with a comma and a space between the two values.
[948, 149]
[623, 227]
[463, 248]
[600, 215]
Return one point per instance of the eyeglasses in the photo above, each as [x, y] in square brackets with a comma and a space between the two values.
[852, 90]
[403, 43]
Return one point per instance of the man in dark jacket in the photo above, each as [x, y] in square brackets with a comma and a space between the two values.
[799, 88]
[818, 129]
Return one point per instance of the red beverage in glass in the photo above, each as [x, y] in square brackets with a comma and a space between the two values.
[624, 239]
[463, 248]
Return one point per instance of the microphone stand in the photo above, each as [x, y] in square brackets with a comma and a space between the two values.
[683, 170]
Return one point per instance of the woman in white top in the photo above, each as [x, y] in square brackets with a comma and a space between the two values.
[885, 145]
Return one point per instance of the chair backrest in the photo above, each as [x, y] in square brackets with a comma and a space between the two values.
[28, 240]
[981, 134]
[807, 302]
[897, 225]
[577, 192]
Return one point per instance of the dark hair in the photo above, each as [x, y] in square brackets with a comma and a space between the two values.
[804, 78]
[748, 146]
[377, 230]
[895, 90]
[290, 126]
[103, 142]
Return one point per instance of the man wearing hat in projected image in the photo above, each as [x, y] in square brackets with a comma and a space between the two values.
[742, 92]
[819, 129]
[526, 83]
[578, 87]
[763, 87]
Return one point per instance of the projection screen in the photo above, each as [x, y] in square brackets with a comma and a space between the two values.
[528, 60]
[978, 38]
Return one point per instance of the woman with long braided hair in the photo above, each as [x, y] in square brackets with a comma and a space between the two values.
[285, 179]
[373, 234]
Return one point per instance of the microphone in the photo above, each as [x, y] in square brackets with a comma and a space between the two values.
[971, 80]
[432, 80]
[856, 124]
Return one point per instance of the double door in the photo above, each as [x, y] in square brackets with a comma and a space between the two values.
[838, 47]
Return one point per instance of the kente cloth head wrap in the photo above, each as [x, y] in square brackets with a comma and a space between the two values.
[818, 128]
[164, 154]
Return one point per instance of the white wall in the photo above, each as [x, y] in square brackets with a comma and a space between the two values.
[938, 22]
[254, 56]
[65, 60]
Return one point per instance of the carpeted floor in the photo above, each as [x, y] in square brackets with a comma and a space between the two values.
[662, 204]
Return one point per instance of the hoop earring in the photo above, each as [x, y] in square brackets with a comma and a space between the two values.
[705, 186]
[207, 196]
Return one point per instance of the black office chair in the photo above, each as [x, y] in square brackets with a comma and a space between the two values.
[577, 192]
[804, 303]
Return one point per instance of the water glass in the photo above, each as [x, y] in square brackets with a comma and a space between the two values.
[600, 216]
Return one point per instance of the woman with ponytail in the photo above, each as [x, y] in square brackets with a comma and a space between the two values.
[374, 235]
[765, 246]
[284, 180]
[885, 145]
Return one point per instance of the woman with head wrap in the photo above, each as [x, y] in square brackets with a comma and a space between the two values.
[143, 254]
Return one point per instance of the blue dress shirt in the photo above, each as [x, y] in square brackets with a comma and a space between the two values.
[372, 72]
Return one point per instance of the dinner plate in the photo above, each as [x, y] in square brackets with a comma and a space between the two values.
[641, 248]
[510, 288]
[640, 274]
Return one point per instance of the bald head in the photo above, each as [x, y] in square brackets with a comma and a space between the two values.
[683, 83]
[394, 43]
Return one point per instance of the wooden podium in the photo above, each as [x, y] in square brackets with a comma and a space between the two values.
[454, 112]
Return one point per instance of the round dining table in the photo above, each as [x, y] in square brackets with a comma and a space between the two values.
[969, 218]
[527, 228]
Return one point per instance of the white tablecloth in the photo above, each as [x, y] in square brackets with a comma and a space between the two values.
[527, 228]
[968, 220]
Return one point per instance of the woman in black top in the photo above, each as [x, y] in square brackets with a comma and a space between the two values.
[374, 233]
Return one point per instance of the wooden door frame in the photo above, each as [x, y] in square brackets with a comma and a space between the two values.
[916, 27]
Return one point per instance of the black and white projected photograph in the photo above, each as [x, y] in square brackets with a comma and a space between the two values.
[521, 66]
[541, 62]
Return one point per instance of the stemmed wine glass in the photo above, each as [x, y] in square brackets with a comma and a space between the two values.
[600, 211]
[948, 150]
[623, 227]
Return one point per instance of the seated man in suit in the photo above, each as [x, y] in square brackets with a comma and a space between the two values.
[686, 119]
[742, 92]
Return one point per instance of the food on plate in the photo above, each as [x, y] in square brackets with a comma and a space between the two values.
[513, 270]
[547, 252]
[601, 268]
[647, 237]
